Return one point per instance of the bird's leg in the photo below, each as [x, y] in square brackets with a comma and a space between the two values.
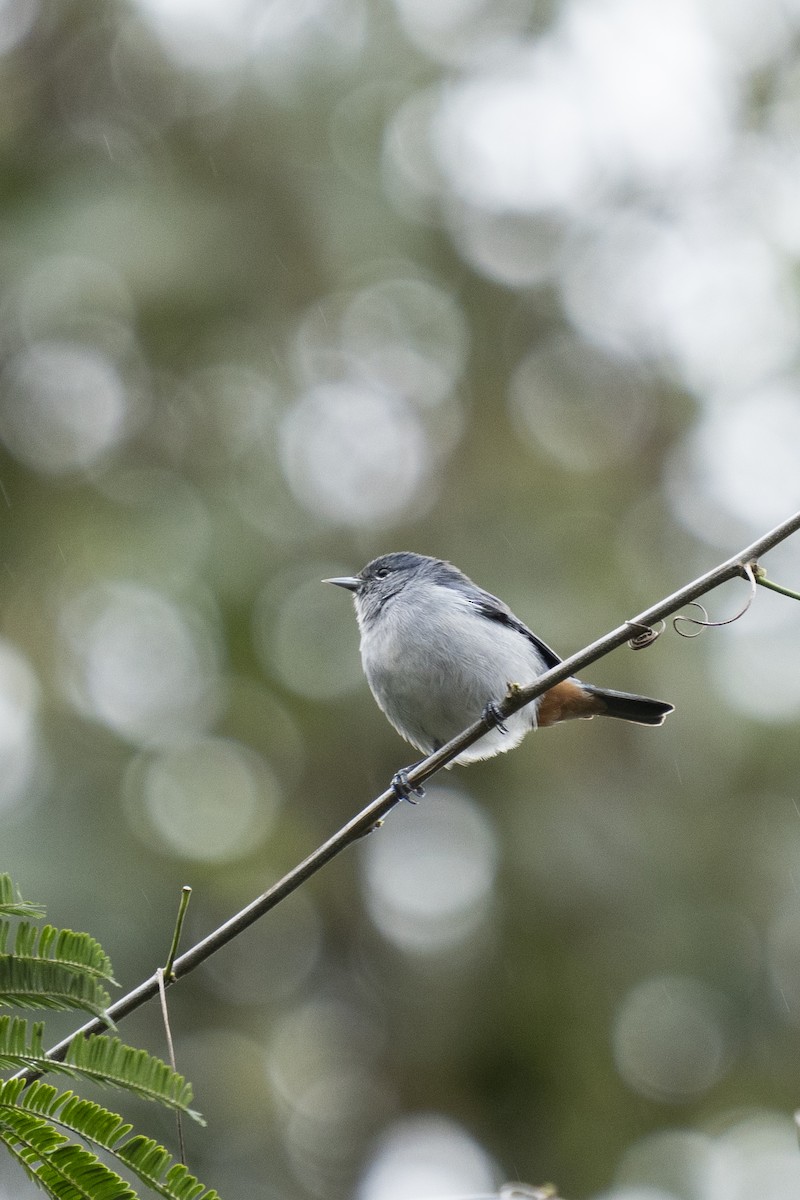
[403, 788]
[491, 713]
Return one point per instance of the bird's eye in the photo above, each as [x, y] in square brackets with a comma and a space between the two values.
[381, 572]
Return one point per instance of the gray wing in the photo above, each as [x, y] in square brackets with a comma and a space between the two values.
[495, 610]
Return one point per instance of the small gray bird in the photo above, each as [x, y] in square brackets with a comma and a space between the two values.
[439, 652]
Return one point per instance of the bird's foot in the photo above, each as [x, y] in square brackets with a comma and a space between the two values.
[492, 714]
[404, 789]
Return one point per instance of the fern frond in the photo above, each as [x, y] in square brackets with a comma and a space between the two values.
[66, 1171]
[12, 904]
[16, 1051]
[155, 1167]
[40, 983]
[149, 1161]
[77, 950]
[104, 1060]
[110, 1061]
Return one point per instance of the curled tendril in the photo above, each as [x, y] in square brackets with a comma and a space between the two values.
[646, 635]
[704, 623]
[701, 622]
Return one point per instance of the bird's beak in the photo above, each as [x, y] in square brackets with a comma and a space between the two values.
[351, 582]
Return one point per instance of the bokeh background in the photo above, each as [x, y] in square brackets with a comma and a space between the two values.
[285, 284]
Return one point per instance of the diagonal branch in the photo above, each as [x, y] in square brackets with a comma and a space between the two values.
[369, 816]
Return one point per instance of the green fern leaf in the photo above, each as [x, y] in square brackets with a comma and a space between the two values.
[16, 1051]
[149, 1161]
[104, 1060]
[50, 968]
[64, 946]
[39, 983]
[110, 1061]
[154, 1166]
[66, 1171]
[12, 904]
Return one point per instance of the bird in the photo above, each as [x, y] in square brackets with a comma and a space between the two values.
[439, 652]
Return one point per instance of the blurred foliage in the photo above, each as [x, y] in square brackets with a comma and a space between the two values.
[285, 284]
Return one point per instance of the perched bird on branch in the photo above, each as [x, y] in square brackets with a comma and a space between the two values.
[439, 652]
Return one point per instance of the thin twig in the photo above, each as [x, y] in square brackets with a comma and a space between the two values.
[369, 816]
[186, 895]
[761, 577]
[161, 975]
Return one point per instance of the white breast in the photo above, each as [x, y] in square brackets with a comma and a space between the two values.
[433, 663]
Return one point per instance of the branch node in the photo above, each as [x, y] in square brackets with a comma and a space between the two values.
[761, 577]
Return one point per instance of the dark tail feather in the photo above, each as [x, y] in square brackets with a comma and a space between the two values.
[626, 707]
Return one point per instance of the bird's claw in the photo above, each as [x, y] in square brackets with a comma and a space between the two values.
[492, 714]
[404, 789]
